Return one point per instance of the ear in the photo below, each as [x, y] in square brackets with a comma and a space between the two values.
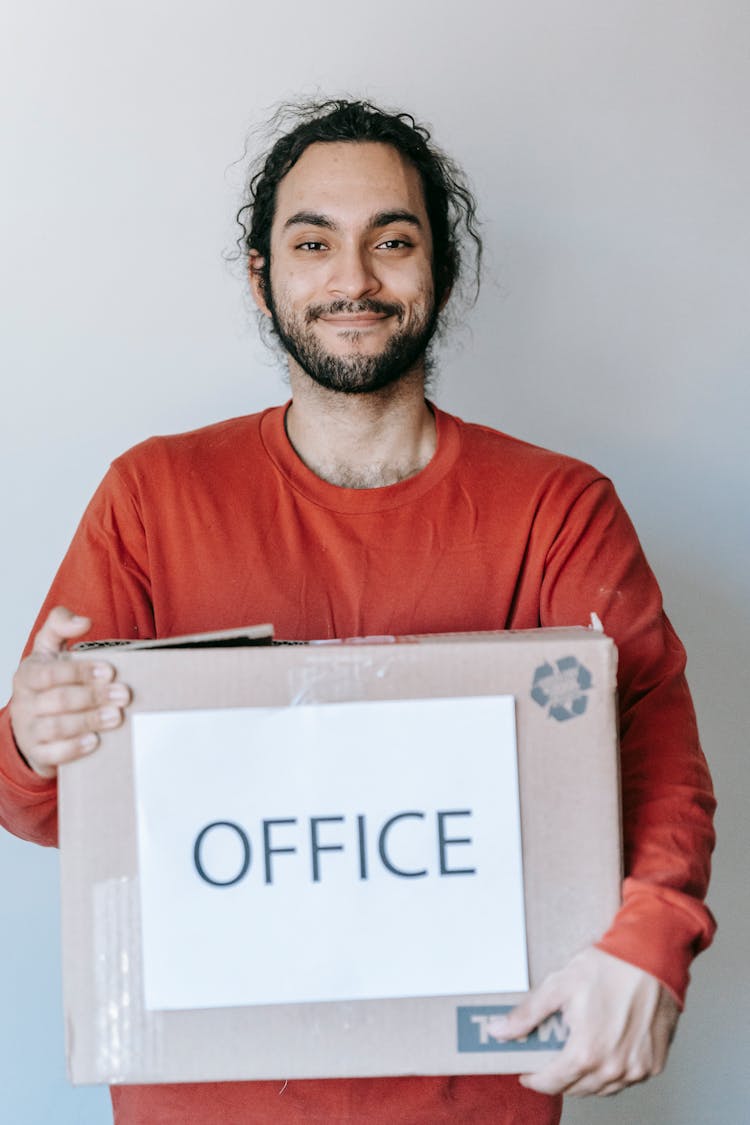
[255, 267]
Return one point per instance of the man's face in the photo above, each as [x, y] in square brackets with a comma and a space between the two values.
[351, 289]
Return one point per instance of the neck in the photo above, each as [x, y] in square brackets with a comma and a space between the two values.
[361, 441]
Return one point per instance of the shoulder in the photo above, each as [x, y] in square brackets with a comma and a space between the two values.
[218, 447]
[494, 455]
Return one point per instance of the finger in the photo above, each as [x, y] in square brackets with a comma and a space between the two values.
[54, 754]
[60, 728]
[605, 1081]
[600, 1080]
[607, 1091]
[71, 699]
[589, 1074]
[41, 673]
[553, 1079]
[570, 1067]
[61, 626]
[527, 1015]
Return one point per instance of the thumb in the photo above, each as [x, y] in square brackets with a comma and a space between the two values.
[527, 1015]
[60, 626]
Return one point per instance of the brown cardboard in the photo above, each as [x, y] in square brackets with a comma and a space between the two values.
[569, 793]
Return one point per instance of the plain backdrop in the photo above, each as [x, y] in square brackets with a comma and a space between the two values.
[608, 145]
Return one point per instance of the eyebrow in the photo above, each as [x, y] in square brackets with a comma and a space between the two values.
[377, 221]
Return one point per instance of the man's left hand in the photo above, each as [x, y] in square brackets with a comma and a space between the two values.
[621, 1022]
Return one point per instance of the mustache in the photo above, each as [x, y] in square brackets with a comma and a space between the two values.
[366, 305]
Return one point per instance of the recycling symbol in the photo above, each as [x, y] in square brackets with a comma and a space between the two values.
[561, 688]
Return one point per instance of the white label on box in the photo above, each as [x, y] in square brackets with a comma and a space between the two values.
[339, 851]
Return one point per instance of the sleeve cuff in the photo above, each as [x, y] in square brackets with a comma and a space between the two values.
[28, 802]
[659, 930]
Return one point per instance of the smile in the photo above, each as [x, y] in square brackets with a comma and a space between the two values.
[354, 320]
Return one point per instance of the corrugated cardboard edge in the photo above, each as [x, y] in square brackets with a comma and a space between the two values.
[223, 638]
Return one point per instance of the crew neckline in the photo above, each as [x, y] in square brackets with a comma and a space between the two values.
[358, 500]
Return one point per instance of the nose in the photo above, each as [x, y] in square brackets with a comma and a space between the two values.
[353, 273]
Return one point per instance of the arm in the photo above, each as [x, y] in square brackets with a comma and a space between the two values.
[56, 705]
[622, 999]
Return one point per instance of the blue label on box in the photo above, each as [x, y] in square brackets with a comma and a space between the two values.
[475, 1031]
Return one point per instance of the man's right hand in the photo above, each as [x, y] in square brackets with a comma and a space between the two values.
[59, 707]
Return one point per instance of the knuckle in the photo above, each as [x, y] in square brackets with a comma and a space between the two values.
[56, 699]
[49, 675]
[638, 1072]
[47, 728]
[581, 1060]
[611, 1072]
[60, 728]
[41, 673]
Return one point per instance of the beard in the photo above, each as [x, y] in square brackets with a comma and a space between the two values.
[358, 373]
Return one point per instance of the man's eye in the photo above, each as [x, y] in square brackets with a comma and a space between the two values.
[311, 246]
[394, 243]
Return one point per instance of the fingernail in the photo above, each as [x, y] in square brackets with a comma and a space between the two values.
[109, 716]
[88, 743]
[118, 693]
[497, 1027]
[101, 671]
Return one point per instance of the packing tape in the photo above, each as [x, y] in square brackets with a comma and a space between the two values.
[129, 1039]
[336, 681]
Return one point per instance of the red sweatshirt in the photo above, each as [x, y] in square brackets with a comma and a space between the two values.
[225, 526]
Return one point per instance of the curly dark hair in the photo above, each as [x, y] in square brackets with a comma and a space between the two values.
[450, 204]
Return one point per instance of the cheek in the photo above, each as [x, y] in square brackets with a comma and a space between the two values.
[424, 298]
[294, 288]
[413, 287]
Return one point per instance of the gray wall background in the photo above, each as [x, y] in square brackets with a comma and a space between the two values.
[608, 143]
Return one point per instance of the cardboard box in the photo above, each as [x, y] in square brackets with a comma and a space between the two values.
[563, 682]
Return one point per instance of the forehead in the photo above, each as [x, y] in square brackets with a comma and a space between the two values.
[350, 180]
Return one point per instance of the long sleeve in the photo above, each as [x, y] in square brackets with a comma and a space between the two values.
[104, 575]
[596, 564]
[210, 529]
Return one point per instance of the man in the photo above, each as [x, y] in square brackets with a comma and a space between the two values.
[362, 509]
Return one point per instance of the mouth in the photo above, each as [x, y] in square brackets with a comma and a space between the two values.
[355, 316]
[357, 321]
